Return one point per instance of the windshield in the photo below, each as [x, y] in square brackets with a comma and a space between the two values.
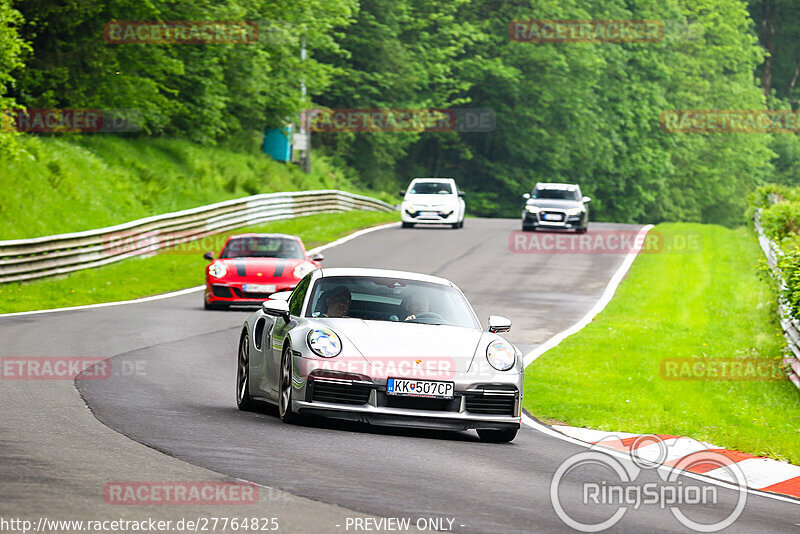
[558, 194]
[430, 188]
[390, 299]
[262, 247]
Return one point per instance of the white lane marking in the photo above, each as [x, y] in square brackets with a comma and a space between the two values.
[106, 304]
[191, 289]
[626, 456]
[759, 472]
[354, 235]
[611, 288]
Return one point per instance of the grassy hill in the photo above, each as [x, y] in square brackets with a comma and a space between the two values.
[72, 183]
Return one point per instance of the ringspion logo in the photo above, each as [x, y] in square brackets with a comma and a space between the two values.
[586, 31]
[609, 487]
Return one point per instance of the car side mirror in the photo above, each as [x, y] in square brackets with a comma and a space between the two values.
[276, 308]
[461, 193]
[526, 196]
[402, 193]
[209, 256]
[318, 257]
[586, 199]
[281, 295]
[499, 324]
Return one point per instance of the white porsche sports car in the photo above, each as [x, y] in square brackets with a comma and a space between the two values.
[381, 347]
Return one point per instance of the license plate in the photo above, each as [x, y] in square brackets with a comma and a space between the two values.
[420, 388]
[429, 214]
[552, 217]
[258, 288]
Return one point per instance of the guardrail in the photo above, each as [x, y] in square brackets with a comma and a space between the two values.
[40, 257]
[791, 327]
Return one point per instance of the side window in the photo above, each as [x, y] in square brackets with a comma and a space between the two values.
[299, 295]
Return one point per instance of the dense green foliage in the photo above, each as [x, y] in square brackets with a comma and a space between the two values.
[11, 48]
[585, 112]
[201, 91]
[577, 112]
[779, 216]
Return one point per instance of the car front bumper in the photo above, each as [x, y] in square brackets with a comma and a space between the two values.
[446, 216]
[478, 403]
[234, 293]
[534, 220]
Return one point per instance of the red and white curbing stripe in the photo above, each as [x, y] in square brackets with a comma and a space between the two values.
[763, 474]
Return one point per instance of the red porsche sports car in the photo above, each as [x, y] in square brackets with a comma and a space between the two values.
[251, 267]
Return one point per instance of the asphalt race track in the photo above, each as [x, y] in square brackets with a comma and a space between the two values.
[168, 412]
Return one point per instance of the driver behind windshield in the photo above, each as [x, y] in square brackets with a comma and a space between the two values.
[415, 304]
[337, 302]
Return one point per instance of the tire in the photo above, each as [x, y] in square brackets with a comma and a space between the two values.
[243, 400]
[407, 225]
[526, 228]
[497, 436]
[285, 392]
[583, 230]
[461, 224]
[455, 226]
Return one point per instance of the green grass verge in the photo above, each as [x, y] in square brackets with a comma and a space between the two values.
[70, 183]
[707, 303]
[169, 270]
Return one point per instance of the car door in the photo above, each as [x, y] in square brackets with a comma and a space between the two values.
[274, 350]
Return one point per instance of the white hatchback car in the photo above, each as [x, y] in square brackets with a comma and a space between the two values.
[432, 201]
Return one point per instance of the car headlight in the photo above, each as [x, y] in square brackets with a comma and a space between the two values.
[217, 269]
[303, 269]
[574, 211]
[324, 342]
[533, 209]
[501, 355]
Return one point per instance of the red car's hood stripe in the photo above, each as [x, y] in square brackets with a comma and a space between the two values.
[279, 267]
[247, 267]
[241, 266]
